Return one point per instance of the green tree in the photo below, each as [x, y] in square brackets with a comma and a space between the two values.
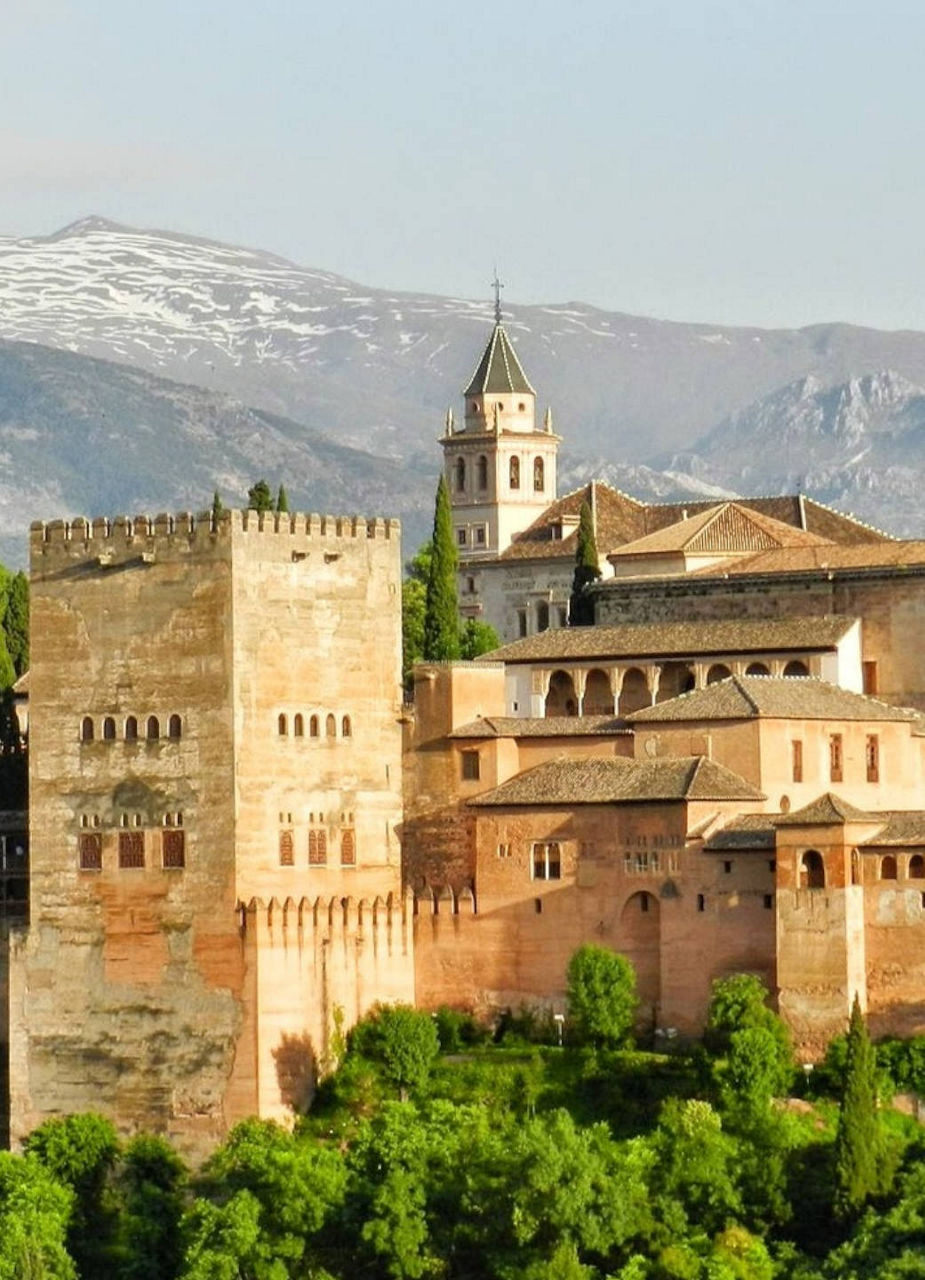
[404, 1040]
[414, 610]
[476, 638]
[282, 501]
[259, 497]
[151, 1185]
[16, 622]
[217, 506]
[80, 1151]
[739, 1003]
[441, 609]
[859, 1141]
[601, 989]
[34, 1212]
[587, 571]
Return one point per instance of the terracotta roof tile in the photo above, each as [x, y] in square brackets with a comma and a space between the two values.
[794, 509]
[619, 781]
[786, 697]
[826, 811]
[547, 727]
[618, 519]
[747, 831]
[729, 527]
[808, 559]
[902, 829]
[640, 640]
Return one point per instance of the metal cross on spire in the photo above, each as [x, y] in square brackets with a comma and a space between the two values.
[497, 286]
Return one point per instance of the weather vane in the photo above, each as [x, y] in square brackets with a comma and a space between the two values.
[497, 286]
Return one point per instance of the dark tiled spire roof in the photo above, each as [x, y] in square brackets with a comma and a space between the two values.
[499, 370]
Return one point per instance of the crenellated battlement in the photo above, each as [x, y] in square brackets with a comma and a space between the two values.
[106, 538]
[321, 919]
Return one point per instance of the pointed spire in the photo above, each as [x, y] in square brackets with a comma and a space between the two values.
[499, 371]
[547, 420]
[497, 286]
[450, 422]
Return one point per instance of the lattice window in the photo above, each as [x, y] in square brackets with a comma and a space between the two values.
[348, 849]
[872, 756]
[90, 851]
[131, 849]
[836, 766]
[174, 848]
[286, 849]
[317, 848]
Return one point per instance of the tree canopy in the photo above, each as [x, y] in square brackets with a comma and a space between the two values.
[587, 571]
[601, 993]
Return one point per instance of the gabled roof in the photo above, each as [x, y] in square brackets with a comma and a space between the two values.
[619, 781]
[729, 528]
[774, 697]
[793, 509]
[541, 727]
[499, 369]
[828, 810]
[677, 639]
[617, 519]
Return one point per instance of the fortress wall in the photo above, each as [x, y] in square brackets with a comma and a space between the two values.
[894, 915]
[318, 967]
[316, 623]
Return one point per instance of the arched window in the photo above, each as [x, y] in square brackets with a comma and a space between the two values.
[888, 867]
[812, 870]
[348, 849]
[515, 473]
[315, 858]
[282, 724]
[131, 729]
[757, 669]
[917, 867]
[313, 726]
[796, 669]
[153, 728]
[539, 475]
[542, 616]
[86, 729]
[346, 728]
[719, 671]
[174, 727]
[298, 725]
[109, 729]
[330, 727]
[323, 846]
[460, 474]
[482, 472]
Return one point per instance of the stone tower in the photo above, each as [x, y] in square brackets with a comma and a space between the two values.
[500, 467]
[215, 790]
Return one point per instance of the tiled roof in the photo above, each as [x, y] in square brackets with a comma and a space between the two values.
[793, 509]
[729, 527]
[785, 697]
[902, 829]
[748, 831]
[619, 781]
[541, 727]
[874, 555]
[826, 811]
[617, 519]
[499, 369]
[726, 636]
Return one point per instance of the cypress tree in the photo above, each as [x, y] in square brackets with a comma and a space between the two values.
[441, 610]
[259, 497]
[217, 506]
[858, 1139]
[16, 622]
[282, 502]
[587, 571]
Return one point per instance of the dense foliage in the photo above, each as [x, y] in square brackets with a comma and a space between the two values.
[587, 571]
[506, 1157]
[601, 992]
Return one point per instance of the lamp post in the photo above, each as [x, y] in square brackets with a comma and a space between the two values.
[559, 1020]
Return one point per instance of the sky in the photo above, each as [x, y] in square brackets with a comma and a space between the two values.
[738, 162]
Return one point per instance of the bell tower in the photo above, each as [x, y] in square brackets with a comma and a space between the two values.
[500, 467]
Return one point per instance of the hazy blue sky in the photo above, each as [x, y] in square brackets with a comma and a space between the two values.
[747, 161]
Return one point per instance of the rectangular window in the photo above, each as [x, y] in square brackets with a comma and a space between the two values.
[836, 767]
[547, 863]
[90, 851]
[174, 849]
[480, 535]
[131, 849]
[460, 537]
[317, 848]
[796, 758]
[871, 678]
[872, 754]
[470, 766]
[286, 849]
[521, 622]
[768, 901]
[727, 868]
[701, 902]
[504, 850]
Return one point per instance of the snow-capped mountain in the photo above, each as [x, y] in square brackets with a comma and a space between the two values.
[376, 369]
[858, 445]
